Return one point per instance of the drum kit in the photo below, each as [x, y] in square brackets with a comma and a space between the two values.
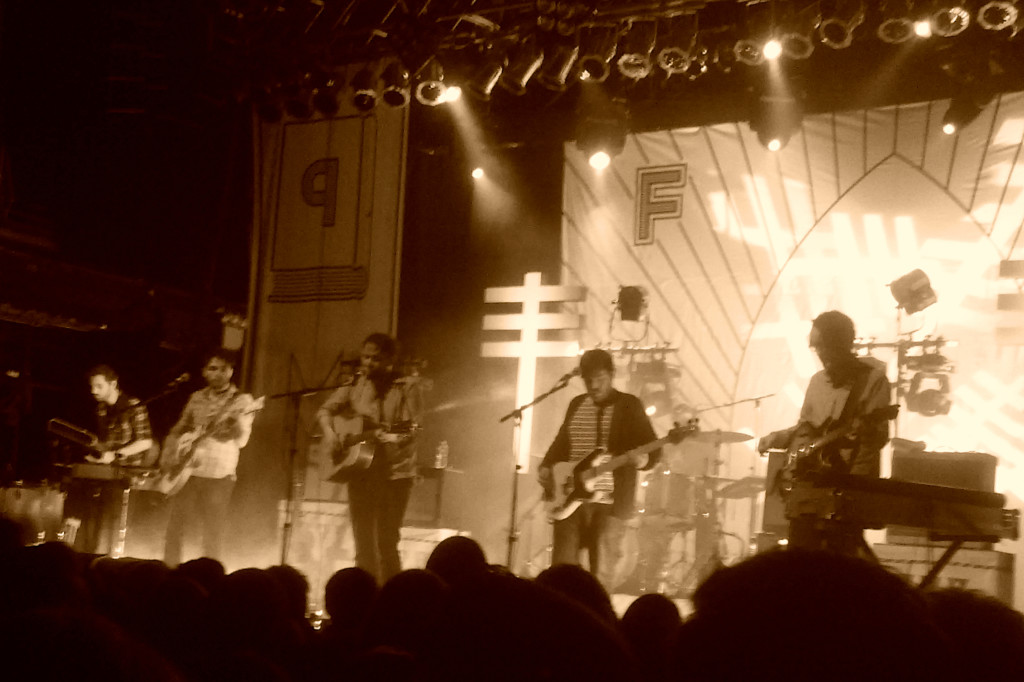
[677, 537]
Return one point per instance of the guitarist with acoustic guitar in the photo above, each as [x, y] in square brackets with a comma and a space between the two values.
[601, 420]
[369, 443]
[843, 425]
[203, 449]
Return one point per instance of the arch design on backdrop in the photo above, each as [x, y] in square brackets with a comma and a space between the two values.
[766, 241]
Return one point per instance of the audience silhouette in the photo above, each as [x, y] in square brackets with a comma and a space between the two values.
[792, 614]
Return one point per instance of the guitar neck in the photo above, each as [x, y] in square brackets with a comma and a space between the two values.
[619, 460]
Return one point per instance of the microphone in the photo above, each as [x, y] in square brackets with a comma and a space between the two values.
[566, 377]
[182, 378]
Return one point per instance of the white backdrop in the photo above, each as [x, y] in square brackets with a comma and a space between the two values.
[739, 248]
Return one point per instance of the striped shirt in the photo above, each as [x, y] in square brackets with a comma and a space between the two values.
[588, 431]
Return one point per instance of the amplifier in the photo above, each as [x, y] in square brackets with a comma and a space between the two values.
[965, 470]
[970, 569]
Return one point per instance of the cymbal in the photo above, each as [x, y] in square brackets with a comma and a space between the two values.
[748, 486]
[719, 437]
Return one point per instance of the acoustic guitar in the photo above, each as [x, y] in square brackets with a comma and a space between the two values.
[350, 452]
[173, 478]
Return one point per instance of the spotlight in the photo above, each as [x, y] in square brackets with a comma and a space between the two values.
[395, 80]
[929, 394]
[951, 19]
[836, 29]
[555, 70]
[481, 85]
[602, 132]
[430, 89]
[750, 49]
[597, 47]
[364, 90]
[678, 43]
[325, 95]
[963, 109]
[452, 94]
[636, 48]
[923, 28]
[896, 23]
[631, 303]
[772, 50]
[526, 58]
[797, 32]
[298, 97]
[913, 292]
[997, 15]
[599, 160]
[477, 173]
[775, 118]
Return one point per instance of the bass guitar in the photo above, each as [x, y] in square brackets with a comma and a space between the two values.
[351, 450]
[574, 482]
[172, 479]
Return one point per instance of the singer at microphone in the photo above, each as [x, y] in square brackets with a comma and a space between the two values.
[605, 437]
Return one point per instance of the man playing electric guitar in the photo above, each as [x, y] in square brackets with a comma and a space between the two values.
[601, 418]
[850, 394]
[218, 420]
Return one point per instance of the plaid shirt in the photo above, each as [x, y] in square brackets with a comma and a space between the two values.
[214, 458]
[124, 422]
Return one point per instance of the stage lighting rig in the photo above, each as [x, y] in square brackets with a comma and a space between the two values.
[896, 23]
[913, 292]
[554, 72]
[636, 47]
[837, 27]
[775, 118]
[395, 82]
[481, 85]
[951, 18]
[597, 49]
[601, 134]
[677, 44]
[796, 34]
[928, 392]
[523, 62]
[364, 89]
[997, 15]
[430, 88]
[750, 48]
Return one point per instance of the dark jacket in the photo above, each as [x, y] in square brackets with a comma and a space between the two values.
[630, 428]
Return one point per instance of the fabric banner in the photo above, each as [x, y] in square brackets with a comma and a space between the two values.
[739, 248]
[326, 254]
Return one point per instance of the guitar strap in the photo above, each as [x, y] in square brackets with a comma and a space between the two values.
[859, 382]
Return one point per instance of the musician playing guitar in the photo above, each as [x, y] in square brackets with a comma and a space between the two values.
[601, 418]
[124, 437]
[851, 395]
[380, 409]
[219, 421]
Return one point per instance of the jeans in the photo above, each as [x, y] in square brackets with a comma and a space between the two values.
[203, 502]
[593, 529]
[377, 507]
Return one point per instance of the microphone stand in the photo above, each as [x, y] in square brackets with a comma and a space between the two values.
[517, 416]
[294, 406]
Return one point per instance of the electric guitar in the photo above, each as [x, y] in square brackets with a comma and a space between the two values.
[351, 450]
[817, 449]
[172, 479]
[574, 481]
